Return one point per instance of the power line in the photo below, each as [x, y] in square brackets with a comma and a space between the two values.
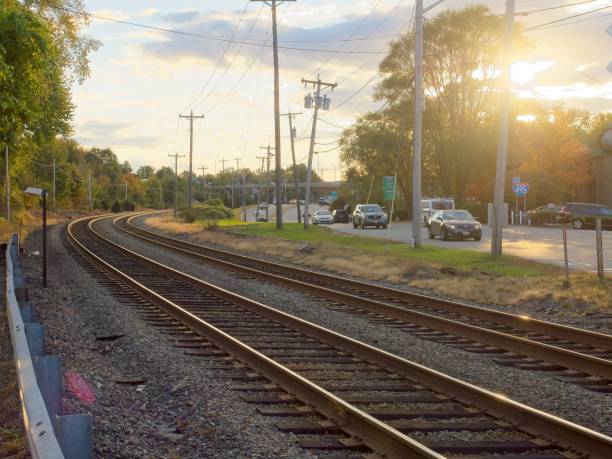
[567, 18]
[211, 76]
[574, 22]
[208, 37]
[550, 8]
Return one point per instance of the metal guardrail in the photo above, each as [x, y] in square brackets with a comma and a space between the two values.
[50, 435]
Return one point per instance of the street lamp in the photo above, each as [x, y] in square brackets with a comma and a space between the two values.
[43, 194]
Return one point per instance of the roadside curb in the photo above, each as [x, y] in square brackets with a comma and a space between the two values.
[50, 434]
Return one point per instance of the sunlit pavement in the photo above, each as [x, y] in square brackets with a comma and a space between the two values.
[544, 245]
[534, 243]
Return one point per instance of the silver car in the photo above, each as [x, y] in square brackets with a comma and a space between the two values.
[323, 217]
[369, 215]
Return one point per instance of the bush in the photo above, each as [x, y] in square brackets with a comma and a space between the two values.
[206, 213]
[116, 208]
[127, 206]
[214, 203]
[477, 209]
[402, 214]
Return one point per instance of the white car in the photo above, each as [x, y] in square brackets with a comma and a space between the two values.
[322, 216]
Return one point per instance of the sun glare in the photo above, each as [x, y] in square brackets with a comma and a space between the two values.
[526, 118]
[523, 72]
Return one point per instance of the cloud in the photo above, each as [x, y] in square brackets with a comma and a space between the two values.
[180, 16]
[97, 133]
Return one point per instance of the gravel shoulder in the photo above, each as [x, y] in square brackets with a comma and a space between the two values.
[184, 409]
[535, 389]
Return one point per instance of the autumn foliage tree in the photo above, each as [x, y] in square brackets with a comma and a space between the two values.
[552, 154]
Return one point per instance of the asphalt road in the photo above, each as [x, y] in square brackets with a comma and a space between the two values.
[540, 244]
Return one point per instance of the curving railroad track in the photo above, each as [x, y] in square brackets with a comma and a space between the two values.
[572, 354]
[343, 396]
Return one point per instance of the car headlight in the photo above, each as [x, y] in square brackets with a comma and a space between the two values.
[450, 226]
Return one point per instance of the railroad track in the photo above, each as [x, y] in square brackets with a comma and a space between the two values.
[574, 355]
[343, 396]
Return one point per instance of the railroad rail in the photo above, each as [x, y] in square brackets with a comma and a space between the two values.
[348, 395]
[575, 355]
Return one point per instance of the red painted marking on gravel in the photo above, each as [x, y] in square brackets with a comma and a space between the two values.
[79, 387]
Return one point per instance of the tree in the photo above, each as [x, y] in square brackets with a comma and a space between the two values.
[554, 158]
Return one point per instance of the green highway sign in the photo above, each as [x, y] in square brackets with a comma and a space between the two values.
[389, 187]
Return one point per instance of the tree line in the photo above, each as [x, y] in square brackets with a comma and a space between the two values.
[549, 146]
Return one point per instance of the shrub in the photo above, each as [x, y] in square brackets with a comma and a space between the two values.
[402, 214]
[214, 203]
[116, 208]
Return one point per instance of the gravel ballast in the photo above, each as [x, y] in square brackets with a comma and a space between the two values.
[538, 390]
[183, 409]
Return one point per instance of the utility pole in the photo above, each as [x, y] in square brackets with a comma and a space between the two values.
[317, 101]
[237, 178]
[268, 156]
[263, 158]
[89, 188]
[53, 184]
[290, 116]
[190, 117]
[126, 191]
[161, 196]
[203, 181]
[418, 119]
[277, 137]
[502, 144]
[7, 184]
[176, 156]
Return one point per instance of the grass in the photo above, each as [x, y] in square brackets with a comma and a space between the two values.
[461, 274]
[460, 259]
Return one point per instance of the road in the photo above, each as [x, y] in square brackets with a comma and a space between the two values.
[544, 245]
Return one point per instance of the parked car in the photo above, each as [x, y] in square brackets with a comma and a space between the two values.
[323, 217]
[583, 215]
[293, 201]
[544, 215]
[369, 215]
[260, 216]
[340, 216]
[458, 224]
[324, 202]
[430, 206]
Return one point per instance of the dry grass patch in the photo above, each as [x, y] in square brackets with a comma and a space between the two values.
[511, 281]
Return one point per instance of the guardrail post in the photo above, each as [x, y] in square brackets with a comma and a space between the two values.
[27, 311]
[74, 433]
[35, 335]
[49, 377]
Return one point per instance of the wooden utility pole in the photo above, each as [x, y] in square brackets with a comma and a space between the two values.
[317, 101]
[203, 168]
[176, 156]
[7, 184]
[263, 158]
[190, 117]
[277, 136]
[290, 116]
[268, 156]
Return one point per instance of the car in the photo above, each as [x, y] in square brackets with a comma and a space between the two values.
[458, 224]
[323, 217]
[293, 201]
[544, 215]
[583, 215]
[324, 202]
[260, 216]
[340, 216]
[430, 206]
[369, 215]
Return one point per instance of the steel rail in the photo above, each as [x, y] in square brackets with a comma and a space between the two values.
[374, 433]
[566, 332]
[567, 358]
[526, 419]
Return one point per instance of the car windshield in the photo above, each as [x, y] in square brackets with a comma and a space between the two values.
[462, 215]
[370, 209]
[322, 212]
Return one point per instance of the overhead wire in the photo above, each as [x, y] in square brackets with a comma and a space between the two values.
[556, 21]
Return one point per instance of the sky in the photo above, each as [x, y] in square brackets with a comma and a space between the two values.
[142, 79]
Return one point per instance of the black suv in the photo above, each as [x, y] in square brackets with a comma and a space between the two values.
[583, 215]
[340, 216]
